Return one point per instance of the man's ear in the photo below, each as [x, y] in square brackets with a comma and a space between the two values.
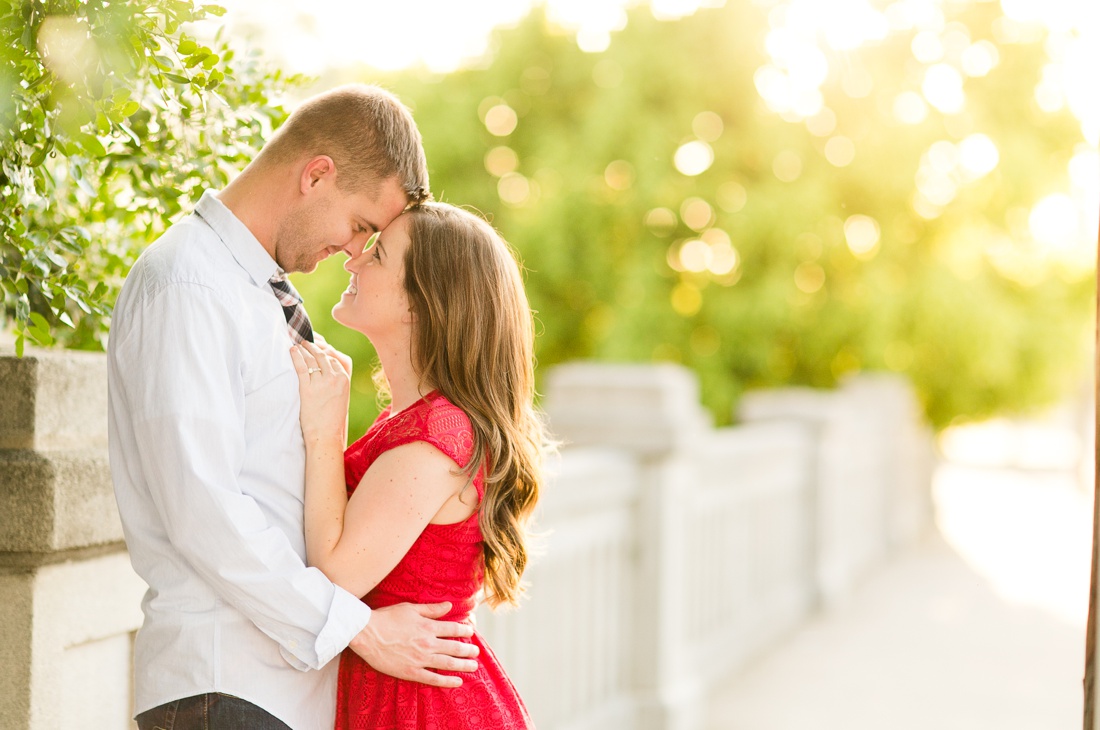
[317, 171]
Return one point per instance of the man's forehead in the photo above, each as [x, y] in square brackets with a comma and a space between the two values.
[379, 208]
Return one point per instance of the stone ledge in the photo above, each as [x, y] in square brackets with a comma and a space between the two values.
[53, 400]
[51, 501]
[21, 563]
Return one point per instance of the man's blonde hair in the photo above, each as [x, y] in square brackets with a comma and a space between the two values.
[368, 133]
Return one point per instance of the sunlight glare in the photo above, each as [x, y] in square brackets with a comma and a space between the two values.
[943, 88]
[693, 158]
[978, 156]
[1054, 222]
[862, 234]
[695, 255]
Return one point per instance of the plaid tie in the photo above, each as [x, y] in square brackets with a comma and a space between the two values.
[297, 321]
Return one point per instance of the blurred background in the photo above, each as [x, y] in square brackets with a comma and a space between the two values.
[768, 192]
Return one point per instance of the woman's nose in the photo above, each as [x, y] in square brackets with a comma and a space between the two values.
[352, 264]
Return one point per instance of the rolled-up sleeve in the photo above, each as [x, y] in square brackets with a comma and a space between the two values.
[180, 371]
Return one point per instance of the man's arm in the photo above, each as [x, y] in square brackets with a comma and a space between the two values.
[178, 369]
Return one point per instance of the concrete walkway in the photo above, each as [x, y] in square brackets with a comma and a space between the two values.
[982, 625]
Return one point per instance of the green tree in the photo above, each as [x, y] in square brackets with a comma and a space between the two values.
[112, 119]
[572, 156]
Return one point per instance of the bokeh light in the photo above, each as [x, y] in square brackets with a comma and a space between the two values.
[499, 161]
[501, 120]
[661, 221]
[619, 175]
[862, 234]
[696, 213]
[694, 158]
[707, 126]
[943, 88]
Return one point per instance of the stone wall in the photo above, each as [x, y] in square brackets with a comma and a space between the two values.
[69, 601]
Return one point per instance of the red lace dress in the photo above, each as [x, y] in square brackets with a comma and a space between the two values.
[442, 565]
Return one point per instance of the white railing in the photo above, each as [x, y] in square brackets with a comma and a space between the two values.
[677, 552]
[674, 552]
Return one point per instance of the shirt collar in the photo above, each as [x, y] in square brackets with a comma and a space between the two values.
[244, 246]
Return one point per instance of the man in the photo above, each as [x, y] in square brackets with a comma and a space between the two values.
[206, 450]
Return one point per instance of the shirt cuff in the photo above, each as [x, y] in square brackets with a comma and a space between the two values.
[346, 617]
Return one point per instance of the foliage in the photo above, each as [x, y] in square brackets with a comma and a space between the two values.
[112, 120]
[586, 187]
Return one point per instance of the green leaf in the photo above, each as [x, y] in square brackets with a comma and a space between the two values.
[187, 47]
[176, 78]
[91, 145]
[40, 321]
[56, 259]
[43, 78]
[42, 337]
[39, 155]
[19, 341]
[217, 10]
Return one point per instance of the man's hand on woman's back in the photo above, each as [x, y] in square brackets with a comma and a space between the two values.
[406, 641]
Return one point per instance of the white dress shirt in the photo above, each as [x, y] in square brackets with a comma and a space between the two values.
[208, 464]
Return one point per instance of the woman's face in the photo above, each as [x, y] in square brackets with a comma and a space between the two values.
[375, 302]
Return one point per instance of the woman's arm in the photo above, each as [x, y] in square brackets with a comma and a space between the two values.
[357, 543]
[397, 497]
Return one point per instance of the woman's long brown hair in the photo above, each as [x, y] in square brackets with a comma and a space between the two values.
[473, 340]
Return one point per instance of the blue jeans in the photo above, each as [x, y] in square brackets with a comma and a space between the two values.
[212, 711]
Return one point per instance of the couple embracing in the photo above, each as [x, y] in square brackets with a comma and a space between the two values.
[293, 582]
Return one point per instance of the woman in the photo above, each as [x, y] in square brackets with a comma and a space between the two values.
[431, 503]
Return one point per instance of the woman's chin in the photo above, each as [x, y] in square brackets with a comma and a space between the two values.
[338, 311]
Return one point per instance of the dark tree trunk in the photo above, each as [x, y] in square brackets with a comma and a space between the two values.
[1090, 638]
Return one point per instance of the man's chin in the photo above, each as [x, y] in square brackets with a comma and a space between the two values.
[307, 267]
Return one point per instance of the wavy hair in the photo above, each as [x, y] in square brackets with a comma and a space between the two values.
[473, 340]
